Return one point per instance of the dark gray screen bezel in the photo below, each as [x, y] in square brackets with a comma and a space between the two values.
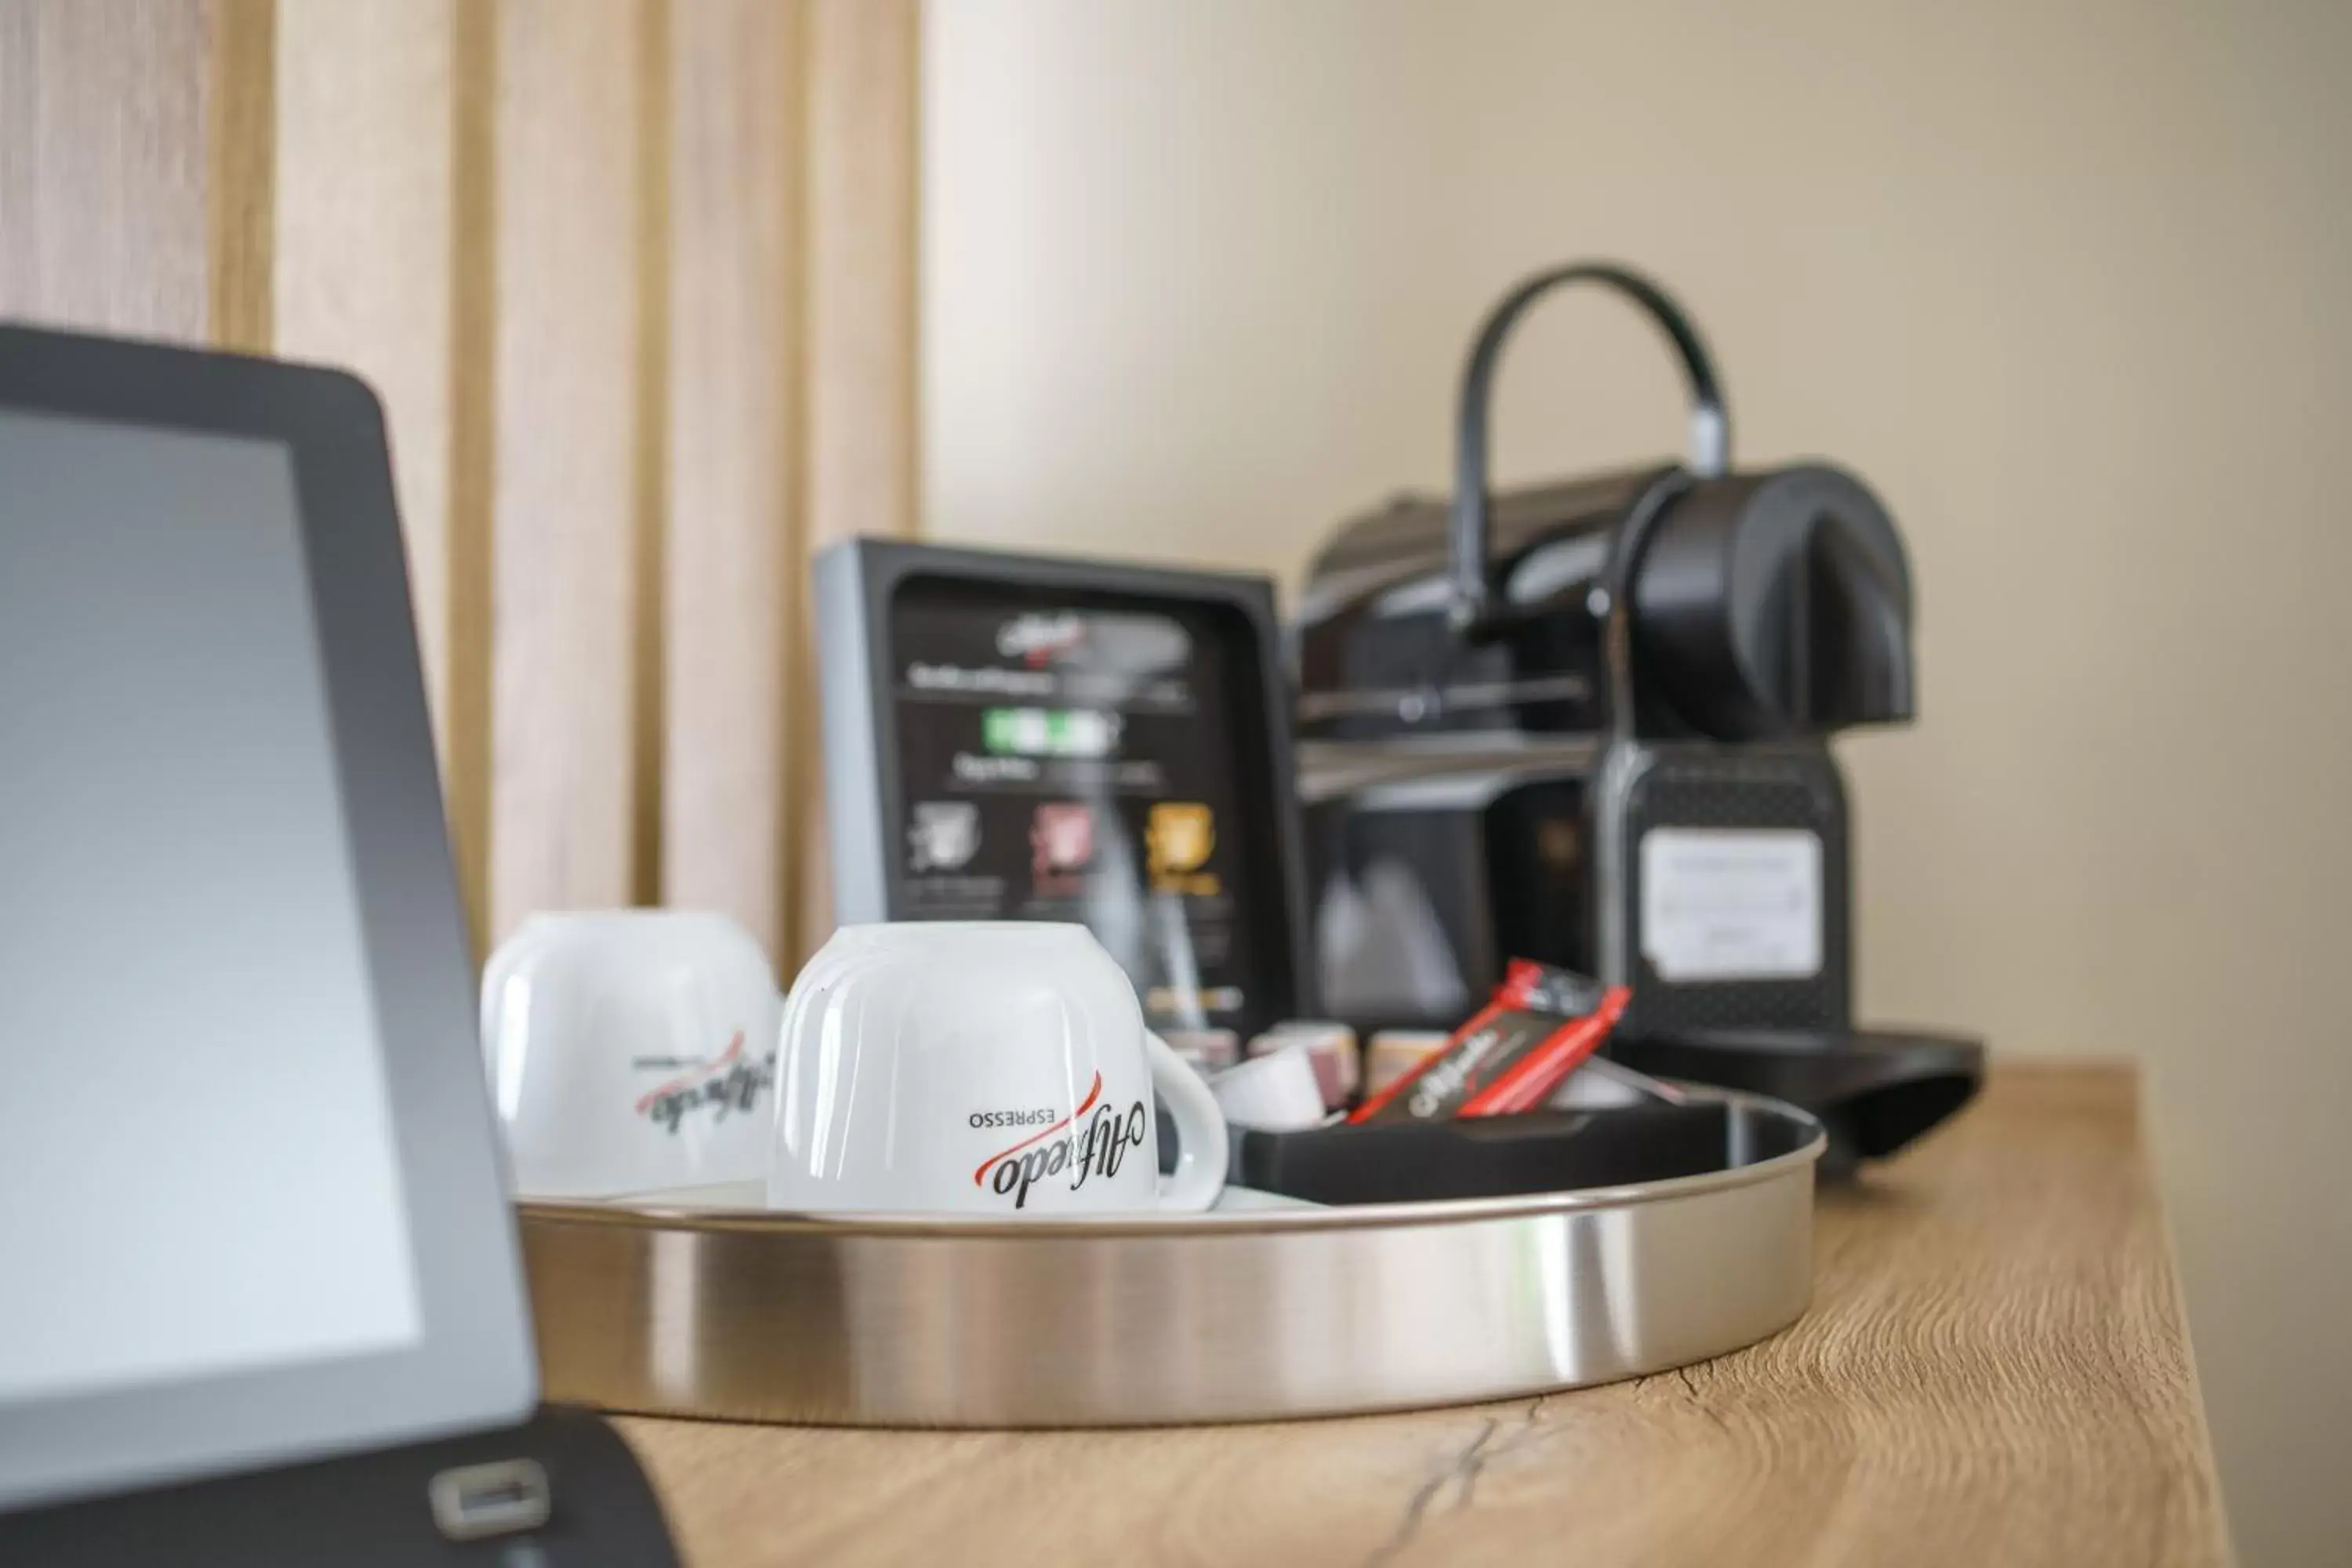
[475, 1367]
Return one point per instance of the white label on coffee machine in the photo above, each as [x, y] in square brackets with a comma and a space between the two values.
[1731, 904]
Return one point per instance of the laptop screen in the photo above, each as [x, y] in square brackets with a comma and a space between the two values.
[194, 1110]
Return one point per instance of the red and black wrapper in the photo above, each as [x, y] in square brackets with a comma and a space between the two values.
[1540, 1028]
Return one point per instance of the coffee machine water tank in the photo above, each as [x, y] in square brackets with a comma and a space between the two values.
[1774, 604]
[1586, 722]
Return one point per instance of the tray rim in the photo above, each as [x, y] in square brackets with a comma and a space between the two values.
[1205, 1225]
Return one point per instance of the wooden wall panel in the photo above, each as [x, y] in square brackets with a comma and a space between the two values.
[473, 359]
[636, 280]
[241, 177]
[860, 369]
[373, 270]
[733, 471]
[104, 184]
[566, 456]
[863, 109]
[361, 263]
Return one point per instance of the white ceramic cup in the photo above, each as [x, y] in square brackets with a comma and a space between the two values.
[1277, 1092]
[631, 1051]
[981, 1070]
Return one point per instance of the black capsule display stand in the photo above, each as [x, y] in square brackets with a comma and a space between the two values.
[366, 1510]
[1509, 1156]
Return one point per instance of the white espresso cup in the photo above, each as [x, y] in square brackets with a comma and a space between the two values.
[1277, 1093]
[984, 1071]
[631, 1051]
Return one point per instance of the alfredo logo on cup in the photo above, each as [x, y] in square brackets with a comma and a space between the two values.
[984, 1071]
[728, 1084]
[1093, 1141]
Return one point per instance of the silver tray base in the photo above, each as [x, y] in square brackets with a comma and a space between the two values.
[755, 1316]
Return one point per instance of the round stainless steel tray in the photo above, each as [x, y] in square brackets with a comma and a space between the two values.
[754, 1316]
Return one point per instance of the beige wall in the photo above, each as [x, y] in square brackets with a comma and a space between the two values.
[2072, 284]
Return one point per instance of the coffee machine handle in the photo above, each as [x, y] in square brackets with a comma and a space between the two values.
[1710, 422]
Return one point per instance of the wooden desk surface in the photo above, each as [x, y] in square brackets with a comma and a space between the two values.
[1995, 1369]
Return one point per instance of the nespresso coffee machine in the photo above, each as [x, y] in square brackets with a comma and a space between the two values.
[1588, 723]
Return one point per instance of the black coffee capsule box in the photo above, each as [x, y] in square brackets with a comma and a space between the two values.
[1507, 1156]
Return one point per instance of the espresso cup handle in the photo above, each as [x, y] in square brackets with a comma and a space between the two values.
[1200, 1173]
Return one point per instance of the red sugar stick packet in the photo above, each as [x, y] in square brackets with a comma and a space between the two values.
[1538, 1029]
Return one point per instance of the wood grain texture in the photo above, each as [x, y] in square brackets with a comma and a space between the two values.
[105, 218]
[1995, 1369]
[864, 93]
[565, 512]
[732, 548]
[364, 249]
